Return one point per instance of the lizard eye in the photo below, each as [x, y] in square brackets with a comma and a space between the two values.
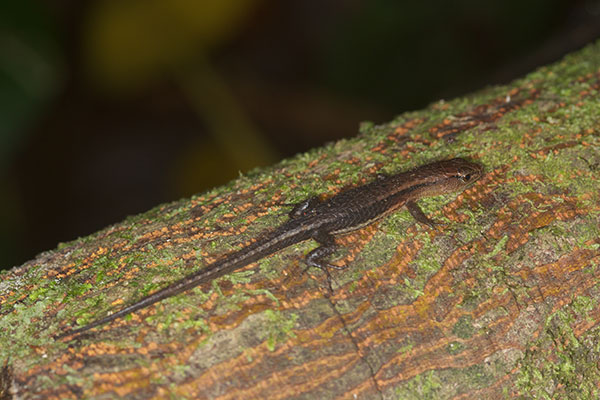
[466, 177]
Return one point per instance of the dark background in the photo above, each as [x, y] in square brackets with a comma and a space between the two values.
[110, 107]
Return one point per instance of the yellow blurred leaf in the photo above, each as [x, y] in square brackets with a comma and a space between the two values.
[130, 42]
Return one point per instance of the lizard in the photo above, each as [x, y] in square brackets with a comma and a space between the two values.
[321, 220]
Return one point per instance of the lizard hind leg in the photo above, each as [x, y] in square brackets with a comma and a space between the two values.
[316, 258]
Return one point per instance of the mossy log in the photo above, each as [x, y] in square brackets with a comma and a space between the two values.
[499, 300]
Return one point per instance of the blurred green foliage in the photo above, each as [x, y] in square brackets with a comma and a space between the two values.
[30, 75]
[30, 70]
[405, 52]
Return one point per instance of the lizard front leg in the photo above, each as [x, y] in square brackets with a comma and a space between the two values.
[418, 214]
[304, 207]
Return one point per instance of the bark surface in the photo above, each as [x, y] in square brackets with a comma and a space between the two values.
[499, 300]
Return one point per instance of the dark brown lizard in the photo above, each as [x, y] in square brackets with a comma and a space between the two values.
[321, 220]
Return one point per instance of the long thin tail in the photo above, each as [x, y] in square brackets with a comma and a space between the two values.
[255, 251]
[180, 286]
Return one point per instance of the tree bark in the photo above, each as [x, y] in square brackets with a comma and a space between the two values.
[501, 299]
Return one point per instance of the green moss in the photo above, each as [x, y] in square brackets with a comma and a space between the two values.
[560, 364]
[424, 386]
[406, 348]
[279, 327]
[498, 247]
[445, 384]
[455, 348]
[464, 327]
[583, 306]
[77, 290]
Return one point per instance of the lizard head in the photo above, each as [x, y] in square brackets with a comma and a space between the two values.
[446, 176]
[461, 171]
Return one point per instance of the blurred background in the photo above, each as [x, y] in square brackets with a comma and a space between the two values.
[110, 107]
